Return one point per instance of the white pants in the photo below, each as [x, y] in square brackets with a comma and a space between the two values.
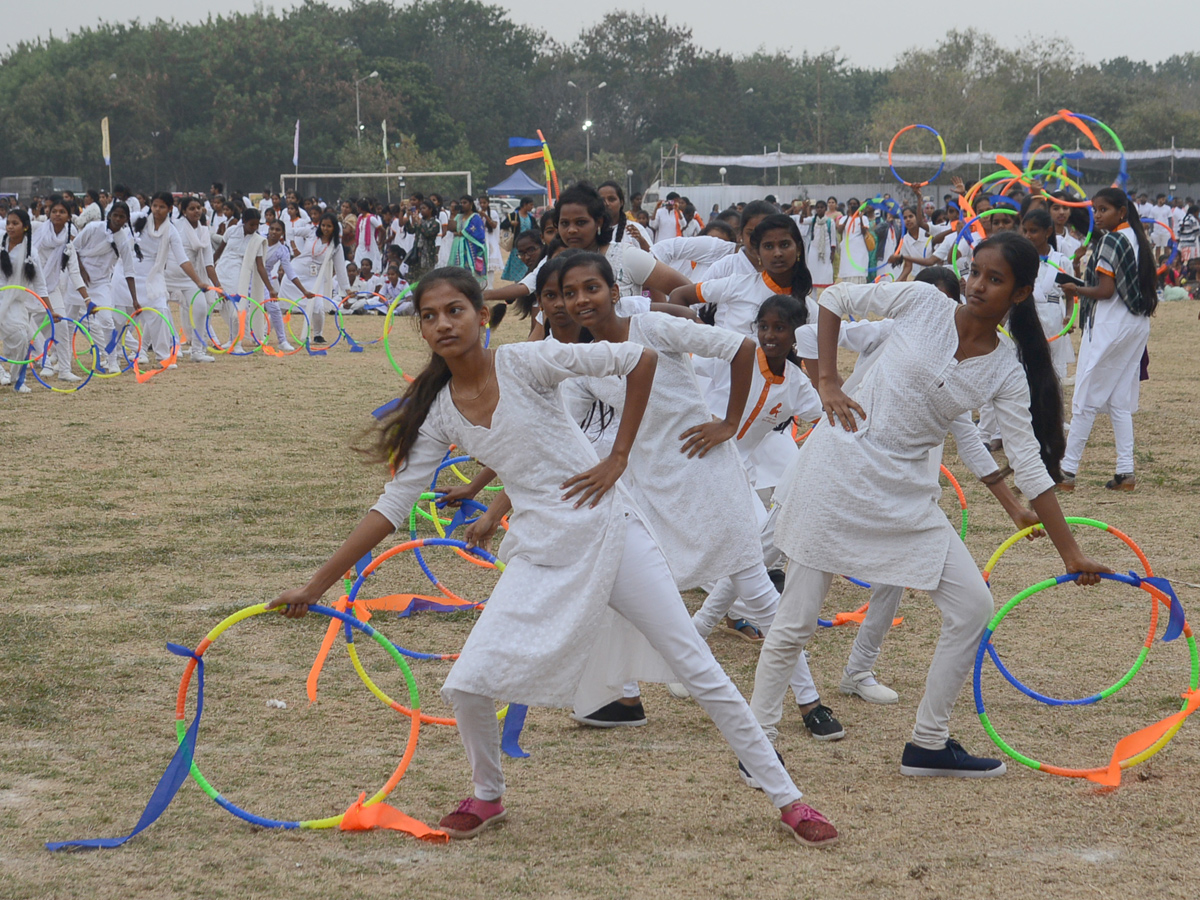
[58, 360]
[182, 299]
[961, 596]
[645, 594]
[881, 611]
[156, 331]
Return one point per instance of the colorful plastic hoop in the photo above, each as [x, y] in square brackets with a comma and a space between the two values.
[234, 340]
[49, 318]
[892, 145]
[95, 352]
[1101, 774]
[117, 340]
[350, 622]
[962, 502]
[1173, 244]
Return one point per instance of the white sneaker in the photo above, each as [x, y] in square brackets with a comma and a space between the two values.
[68, 376]
[111, 367]
[285, 347]
[239, 349]
[202, 357]
[141, 358]
[24, 389]
[5, 378]
[173, 366]
[678, 690]
[47, 373]
[863, 684]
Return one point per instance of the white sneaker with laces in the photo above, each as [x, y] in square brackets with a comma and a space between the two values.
[68, 376]
[863, 684]
[285, 347]
[47, 373]
[678, 690]
[201, 356]
[239, 349]
[24, 389]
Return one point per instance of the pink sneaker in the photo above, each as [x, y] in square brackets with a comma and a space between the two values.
[808, 826]
[473, 816]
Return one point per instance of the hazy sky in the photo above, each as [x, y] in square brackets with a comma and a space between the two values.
[869, 32]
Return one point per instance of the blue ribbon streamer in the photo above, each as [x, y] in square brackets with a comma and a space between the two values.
[510, 735]
[172, 779]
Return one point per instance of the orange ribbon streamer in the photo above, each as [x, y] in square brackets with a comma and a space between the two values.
[381, 815]
[1133, 744]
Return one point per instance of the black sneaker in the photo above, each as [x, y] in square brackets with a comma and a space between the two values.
[614, 715]
[1122, 481]
[749, 779]
[952, 761]
[822, 725]
[318, 340]
[777, 577]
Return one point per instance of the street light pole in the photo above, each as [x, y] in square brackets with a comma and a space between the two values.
[358, 106]
[154, 150]
[587, 117]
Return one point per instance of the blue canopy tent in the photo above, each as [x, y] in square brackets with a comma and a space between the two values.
[518, 184]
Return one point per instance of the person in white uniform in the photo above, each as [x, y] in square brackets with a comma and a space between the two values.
[193, 305]
[576, 547]
[692, 257]
[60, 269]
[19, 311]
[1038, 226]
[323, 271]
[865, 475]
[241, 265]
[1114, 314]
[819, 231]
[104, 251]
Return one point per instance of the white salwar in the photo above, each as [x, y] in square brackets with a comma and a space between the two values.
[566, 568]
[20, 313]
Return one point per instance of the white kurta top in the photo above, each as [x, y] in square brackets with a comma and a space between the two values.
[738, 298]
[692, 256]
[734, 264]
[20, 303]
[701, 511]
[197, 249]
[872, 491]
[161, 250]
[820, 244]
[99, 251]
[534, 640]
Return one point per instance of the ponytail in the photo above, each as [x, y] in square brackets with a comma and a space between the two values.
[393, 438]
[62, 264]
[1147, 277]
[1045, 391]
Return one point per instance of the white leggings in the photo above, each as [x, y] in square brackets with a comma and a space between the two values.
[961, 596]
[645, 594]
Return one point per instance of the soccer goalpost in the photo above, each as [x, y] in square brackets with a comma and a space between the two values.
[400, 175]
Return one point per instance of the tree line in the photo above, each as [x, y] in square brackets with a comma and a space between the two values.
[217, 100]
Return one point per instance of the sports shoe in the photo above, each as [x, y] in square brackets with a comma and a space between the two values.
[614, 715]
[23, 389]
[1122, 481]
[5, 378]
[863, 684]
[952, 761]
[749, 779]
[678, 691]
[995, 444]
[777, 576]
[1068, 483]
[822, 725]
[173, 366]
[112, 367]
[68, 376]
[202, 357]
[318, 339]
[808, 826]
[141, 358]
[285, 347]
[472, 816]
[238, 349]
[47, 373]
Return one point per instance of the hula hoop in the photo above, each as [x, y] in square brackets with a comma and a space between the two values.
[350, 622]
[1077, 120]
[1137, 551]
[1094, 773]
[444, 540]
[913, 184]
[965, 231]
[49, 318]
[234, 340]
[962, 501]
[117, 339]
[337, 321]
[164, 362]
[874, 201]
[387, 332]
[95, 358]
[494, 488]
[267, 349]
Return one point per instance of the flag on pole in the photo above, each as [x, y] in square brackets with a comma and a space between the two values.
[104, 146]
[385, 156]
[296, 146]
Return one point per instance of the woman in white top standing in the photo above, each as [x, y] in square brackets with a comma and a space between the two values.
[321, 267]
[19, 312]
[820, 244]
[366, 230]
[197, 247]
[864, 475]
[161, 248]
[853, 230]
[576, 547]
[1047, 293]
[239, 262]
[1115, 316]
[60, 269]
[625, 230]
[104, 249]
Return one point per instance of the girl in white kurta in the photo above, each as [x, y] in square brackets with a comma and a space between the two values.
[777, 243]
[161, 248]
[56, 259]
[366, 230]
[820, 244]
[243, 271]
[865, 477]
[321, 267]
[662, 480]
[197, 247]
[277, 260]
[1115, 317]
[1047, 293]
[575, 549]
[104, 249]
[19, 311]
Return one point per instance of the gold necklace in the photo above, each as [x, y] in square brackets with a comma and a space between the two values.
[491, 369]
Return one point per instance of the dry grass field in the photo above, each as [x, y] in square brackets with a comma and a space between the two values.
[132, 515]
